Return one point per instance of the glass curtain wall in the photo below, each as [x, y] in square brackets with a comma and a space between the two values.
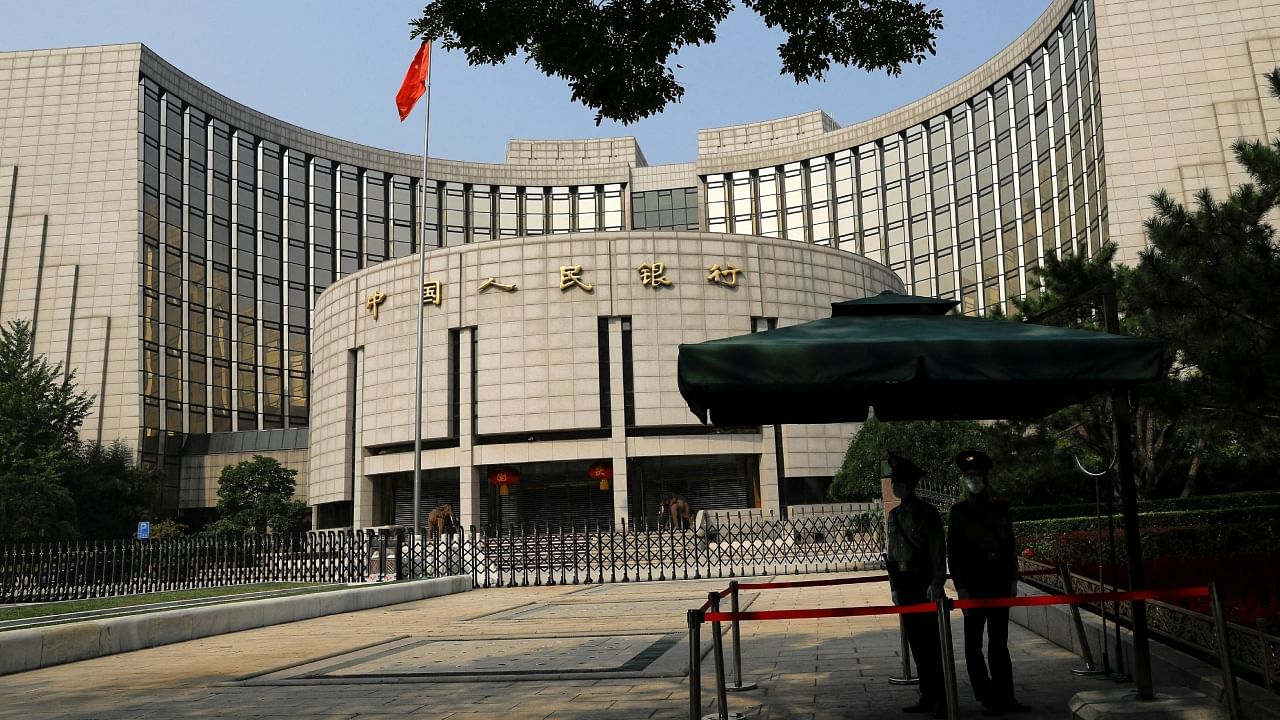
[239, 234]
[965, 204]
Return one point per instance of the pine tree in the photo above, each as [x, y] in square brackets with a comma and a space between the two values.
[40, 416]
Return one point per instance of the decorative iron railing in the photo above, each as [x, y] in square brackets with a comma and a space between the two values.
[1252, 649]
[541, 554]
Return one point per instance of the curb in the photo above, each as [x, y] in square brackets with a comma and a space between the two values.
[33, 648]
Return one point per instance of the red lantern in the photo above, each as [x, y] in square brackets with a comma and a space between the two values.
[602, 471]
[504, 476]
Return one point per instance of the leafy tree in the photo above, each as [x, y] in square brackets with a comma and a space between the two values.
[110, 492]
[931, 444]
[257, 495]
[40, 416]
[615, 53]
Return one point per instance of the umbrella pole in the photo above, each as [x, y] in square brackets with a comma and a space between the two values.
[1129, 508]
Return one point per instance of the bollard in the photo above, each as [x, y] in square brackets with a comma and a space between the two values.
[1224, 652]
[948, 657]
[695, 665]
[717, 641]
[737, 685]
[905, 678]
[1089, 668]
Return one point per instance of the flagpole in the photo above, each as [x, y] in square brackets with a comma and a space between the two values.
[422, 275]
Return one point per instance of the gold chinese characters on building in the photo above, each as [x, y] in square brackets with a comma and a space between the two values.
[432, 292]
[571, 275]
[492, 282]
[376, 298]
[727, 275]
[654, 275]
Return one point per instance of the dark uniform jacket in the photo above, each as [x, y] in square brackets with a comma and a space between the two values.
[917, 553]
[980, 546]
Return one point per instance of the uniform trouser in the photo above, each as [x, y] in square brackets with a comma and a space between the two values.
[997, 686]
[926, 647]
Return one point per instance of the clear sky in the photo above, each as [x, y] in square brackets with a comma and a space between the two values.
[333, 66]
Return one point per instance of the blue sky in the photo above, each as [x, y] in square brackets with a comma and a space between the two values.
[333, 66]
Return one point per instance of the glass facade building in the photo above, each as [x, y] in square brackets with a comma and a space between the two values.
[170, 244]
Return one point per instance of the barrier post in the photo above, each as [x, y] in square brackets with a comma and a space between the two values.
[1064, 572]
[695, 664]
[1268, 681]
[717, 641]
[948, 657]
[737, 685]
[905, 649]
[1224, 652]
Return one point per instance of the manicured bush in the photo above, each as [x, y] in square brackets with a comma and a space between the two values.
[1195, 502]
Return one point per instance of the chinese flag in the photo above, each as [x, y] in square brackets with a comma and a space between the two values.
[415, 81]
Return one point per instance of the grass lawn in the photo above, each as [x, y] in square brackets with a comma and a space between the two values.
[120, 601]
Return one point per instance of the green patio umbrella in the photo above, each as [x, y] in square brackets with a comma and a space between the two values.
[903, 356]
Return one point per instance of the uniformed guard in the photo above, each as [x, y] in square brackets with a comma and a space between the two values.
[984, 564]
[917, 565]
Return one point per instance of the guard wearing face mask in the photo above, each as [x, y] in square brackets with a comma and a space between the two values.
[984, 564]
[917, 566]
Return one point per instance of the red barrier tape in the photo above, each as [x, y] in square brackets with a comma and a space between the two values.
[851, 581]
[1087, 598]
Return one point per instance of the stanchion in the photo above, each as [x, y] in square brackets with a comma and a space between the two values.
[905, 678]
[695, 665]
[717, 642]
[1224, 652]
[1089, 669]
[737, 685]
[948, 658]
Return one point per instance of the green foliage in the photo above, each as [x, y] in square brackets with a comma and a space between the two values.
[40, 417]
[111, 494]
[931, 444]
[616, 54]
[166, 529]
[1163, 505]
[257, 495]
[40, 409]
[1224, 534]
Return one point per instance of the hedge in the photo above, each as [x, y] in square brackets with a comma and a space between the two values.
[1236, 532]
[1195, 502]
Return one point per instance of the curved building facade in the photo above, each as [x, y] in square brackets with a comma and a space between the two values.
[172, 246]
[545, 355]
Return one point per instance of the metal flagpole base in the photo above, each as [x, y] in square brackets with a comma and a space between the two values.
[1086, 672]
[904, 681]
[741, 688]
[730, 716]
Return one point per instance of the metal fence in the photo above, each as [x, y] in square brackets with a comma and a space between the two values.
[1252, 649]
[542, 554]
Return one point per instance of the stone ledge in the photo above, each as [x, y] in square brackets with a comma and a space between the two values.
[33, 648]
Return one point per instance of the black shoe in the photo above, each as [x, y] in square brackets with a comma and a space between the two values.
[924, 706]
[991, 709]
[940, 711]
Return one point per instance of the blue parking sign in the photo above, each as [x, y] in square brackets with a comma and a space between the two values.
[144, 530]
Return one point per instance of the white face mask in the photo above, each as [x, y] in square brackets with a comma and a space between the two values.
[974, 483]
[901, 490]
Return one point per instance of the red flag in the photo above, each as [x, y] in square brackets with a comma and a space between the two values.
[415, 81]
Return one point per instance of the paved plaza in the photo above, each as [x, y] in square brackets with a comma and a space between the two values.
[582, 652]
